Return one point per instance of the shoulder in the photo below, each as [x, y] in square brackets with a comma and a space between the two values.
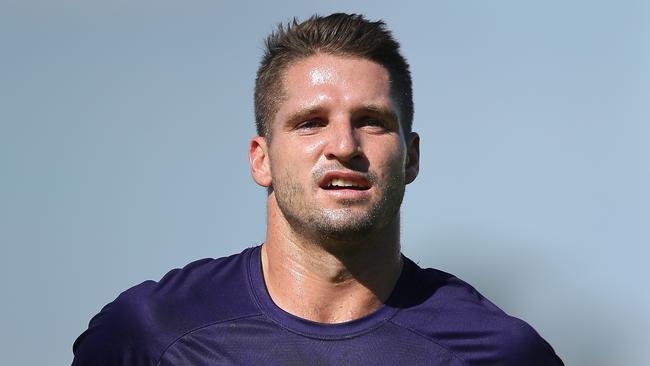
[453, 314]
[141, 322]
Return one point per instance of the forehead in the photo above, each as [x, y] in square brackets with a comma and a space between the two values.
[322, 69]
[325, 80]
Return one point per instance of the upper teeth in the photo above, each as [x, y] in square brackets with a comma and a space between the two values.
[342, 183]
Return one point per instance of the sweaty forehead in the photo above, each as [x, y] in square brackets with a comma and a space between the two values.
[335, 77]
[321, 75]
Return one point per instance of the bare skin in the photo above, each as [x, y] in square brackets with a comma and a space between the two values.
[308, 281]
[332, 254]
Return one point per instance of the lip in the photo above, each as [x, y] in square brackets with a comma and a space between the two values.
[354, 178]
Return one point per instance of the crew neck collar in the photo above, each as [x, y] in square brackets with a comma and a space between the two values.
[313, 329]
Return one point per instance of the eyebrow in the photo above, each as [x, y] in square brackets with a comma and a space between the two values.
[375, 109]
[303, 114]
[308, 112]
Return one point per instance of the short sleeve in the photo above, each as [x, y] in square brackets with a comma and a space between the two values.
[122, 334]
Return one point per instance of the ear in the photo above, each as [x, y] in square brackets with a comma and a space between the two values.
[412, 157]
[258, 158]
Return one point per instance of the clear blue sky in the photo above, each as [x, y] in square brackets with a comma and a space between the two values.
[124, 128]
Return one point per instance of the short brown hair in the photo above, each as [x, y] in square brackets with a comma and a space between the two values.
[336, 34]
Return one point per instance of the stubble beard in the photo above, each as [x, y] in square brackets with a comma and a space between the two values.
[348, 223]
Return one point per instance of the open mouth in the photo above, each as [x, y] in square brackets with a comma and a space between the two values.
[344, 184]
[335, 183]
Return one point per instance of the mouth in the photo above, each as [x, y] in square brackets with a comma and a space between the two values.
[344, 181]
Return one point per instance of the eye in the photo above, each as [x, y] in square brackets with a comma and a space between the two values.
[375, 123]
[310, 124]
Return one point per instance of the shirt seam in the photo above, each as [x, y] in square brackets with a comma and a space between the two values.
[328, 338]
[162, 354]
[409, 329]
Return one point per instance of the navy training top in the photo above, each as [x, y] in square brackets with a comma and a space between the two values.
[218, 312]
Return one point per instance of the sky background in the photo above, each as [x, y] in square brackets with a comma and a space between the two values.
[124, 128]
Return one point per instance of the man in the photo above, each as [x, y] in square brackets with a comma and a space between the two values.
[329, 286]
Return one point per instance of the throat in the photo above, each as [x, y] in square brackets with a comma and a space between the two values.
[326, 290]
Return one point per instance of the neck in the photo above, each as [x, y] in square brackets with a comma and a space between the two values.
[329, 282]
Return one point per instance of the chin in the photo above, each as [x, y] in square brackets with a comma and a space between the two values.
[346, 224]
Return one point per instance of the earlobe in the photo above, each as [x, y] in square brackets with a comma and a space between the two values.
[259, 161]
[412, 157]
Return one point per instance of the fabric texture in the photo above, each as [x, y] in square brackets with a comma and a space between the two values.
[218, 312]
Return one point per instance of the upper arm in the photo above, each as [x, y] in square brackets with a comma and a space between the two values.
[122, 334]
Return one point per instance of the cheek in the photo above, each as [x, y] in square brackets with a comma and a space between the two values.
[297, 150]
[292, 164]
[387, 156]
[314, 147]
[390, 169]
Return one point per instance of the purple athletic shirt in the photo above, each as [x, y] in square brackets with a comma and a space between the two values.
[218, 312]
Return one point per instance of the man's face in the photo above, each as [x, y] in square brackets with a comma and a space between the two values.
[339, 160]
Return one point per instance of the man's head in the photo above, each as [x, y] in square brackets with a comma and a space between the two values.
[340, 155]
[337, 34]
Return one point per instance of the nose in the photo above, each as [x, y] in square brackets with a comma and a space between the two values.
[343, 142]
